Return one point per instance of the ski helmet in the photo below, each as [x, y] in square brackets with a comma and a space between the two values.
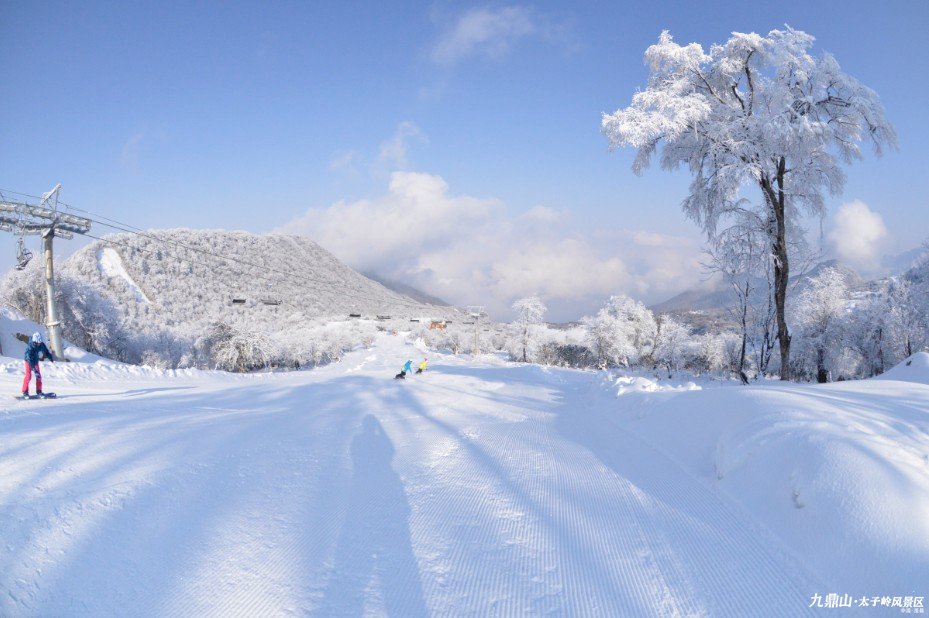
[36, 338]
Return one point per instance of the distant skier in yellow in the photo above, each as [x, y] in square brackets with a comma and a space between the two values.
[422, 365]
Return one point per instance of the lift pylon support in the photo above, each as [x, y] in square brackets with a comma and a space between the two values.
[47, 221]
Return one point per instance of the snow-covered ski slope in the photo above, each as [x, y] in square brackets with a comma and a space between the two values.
[479, 488]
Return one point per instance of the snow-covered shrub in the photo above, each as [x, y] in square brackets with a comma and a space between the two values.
[566, 355]
[231, 349]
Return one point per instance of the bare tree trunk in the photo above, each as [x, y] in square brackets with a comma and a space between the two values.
[880, 352]
[822, 376]
[744, 301]
[778, 234]
[525, 342]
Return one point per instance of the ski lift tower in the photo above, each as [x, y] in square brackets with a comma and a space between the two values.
[46, 221]
[476, 312]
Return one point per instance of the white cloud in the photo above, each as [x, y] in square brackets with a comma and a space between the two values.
[394, 152]
[857, 235]
[468, 250]
[491, 33]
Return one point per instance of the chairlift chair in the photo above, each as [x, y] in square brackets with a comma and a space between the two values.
[23, 255]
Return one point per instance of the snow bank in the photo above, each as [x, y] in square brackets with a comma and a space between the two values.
[914, 369]
[838, 472]
[638, 384]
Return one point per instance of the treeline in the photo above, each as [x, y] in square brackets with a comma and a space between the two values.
[836, 333]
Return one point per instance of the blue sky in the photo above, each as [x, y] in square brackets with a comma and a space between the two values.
[476, 118]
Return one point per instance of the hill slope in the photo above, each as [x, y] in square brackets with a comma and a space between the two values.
[180, 277]
[233, 300]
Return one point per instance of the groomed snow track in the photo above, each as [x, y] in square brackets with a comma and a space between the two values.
[471, 490]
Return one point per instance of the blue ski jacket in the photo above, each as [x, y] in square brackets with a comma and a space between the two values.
[32, 354]
[407, 365]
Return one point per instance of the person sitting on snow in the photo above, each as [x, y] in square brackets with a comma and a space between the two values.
[422, 365]
[33, 350]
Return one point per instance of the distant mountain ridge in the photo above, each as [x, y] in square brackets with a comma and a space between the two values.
[714, 294]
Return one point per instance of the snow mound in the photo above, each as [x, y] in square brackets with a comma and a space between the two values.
[914, 369]
[638, 384]
[837, 472]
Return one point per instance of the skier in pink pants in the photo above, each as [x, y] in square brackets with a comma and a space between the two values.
[33, 350]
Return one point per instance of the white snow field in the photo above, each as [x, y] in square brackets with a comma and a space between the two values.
[481, 488]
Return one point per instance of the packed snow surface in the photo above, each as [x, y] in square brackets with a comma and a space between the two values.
[481, 487]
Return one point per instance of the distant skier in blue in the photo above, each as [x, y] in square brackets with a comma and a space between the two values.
[407, 367]
[33, 350]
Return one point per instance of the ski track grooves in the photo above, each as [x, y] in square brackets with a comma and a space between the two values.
[454, 493]
[611, 548]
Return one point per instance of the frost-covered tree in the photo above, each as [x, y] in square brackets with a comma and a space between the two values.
[235, 350]
[670, 342]
[909, 298]
[622, 333]
[819, 311]
[530, 312]
[868, 333]
[24, 291]
[757, 111]
[740, 254]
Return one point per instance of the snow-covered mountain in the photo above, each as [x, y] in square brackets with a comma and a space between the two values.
[406, 290]
[195, 297]
[183, 276]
